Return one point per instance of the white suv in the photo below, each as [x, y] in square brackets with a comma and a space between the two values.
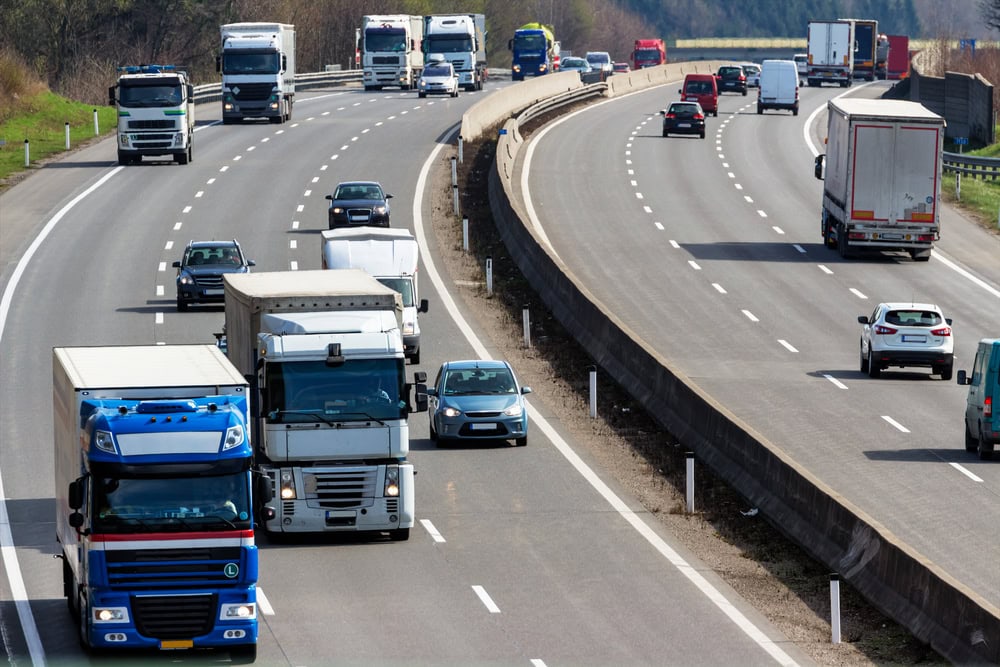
[601, 62]
[906, 335]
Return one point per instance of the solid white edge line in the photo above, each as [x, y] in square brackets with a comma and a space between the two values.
[10, 561]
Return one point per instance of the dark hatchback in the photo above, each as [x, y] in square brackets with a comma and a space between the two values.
[683, 118]
[200, 271]
[731, 79]
[358, 204]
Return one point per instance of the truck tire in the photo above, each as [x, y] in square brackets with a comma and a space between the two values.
[920, 255]
[843, 245]
[399, 535]
[245, 654]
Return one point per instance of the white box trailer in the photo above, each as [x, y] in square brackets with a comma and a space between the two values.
[831, 52]
[882, 182]
[391, 256]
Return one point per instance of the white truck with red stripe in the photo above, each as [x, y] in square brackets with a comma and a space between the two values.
[154, 497]
[882, 182]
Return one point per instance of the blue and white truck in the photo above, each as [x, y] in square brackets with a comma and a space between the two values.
[257, 62]
[154, 498]
[155, 106]
[325, 358]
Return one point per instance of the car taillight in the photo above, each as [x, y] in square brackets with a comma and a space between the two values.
[884, 330]
[988, 407]
[670, 115]
[699, 116]
[943, 331]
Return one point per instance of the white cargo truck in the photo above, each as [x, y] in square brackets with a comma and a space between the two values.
[461, 40]
[831, 53]
[391, 256]
[155, 106]
[324, 356]
[257, 62]
[882, 183]
[390, 50]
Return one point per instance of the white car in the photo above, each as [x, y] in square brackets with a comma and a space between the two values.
[601, 61]
[752, 73]
[801, 64]
[906, 335]
[438, 78]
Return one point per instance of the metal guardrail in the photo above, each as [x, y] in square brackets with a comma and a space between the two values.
[561, 100]
[982, 167]
[212, 92]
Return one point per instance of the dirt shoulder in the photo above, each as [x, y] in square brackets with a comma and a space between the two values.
[771, 573]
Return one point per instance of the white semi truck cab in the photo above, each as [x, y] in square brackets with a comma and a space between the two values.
[390, 50]
[461, 39]
[257, 62]
[325, 357]
[155, 106]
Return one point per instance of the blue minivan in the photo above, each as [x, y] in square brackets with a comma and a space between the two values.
[982, 410]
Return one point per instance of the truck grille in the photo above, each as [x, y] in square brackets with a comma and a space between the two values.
[252, 91]
[174, 616]
[171, 568]
[340, 490]
[163, 124]
[385, 60]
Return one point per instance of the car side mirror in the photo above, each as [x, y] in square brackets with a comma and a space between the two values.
[525, 390]
[663, 112]
[251, 262]
[948, 320]
[963, 378]
[863, 319]
[177, 264]
[388, 196]
[330, 197]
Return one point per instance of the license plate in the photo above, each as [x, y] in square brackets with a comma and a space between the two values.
[214, 292]
[171, 644]
[914, 339]
[683, 124]
[483, 427]
[892, 237]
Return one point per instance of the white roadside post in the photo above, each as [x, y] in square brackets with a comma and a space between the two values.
[489, 276]
[465, 235]
[689, 482]
[835, 608]
[526, 319]
[66, 127]
[593, 392]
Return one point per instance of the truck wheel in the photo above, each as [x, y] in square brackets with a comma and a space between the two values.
[920, 255]
[123, 159]
[842, 243]
[399, 535]
[415, 357]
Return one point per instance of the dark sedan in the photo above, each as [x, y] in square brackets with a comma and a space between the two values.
[359, 203]
[683, 118]
[200, 271]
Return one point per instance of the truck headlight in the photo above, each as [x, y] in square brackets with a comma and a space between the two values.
[287, 485]
[408, 328]
[243, 611]
[235, 436]
[391, 482]
[516, 68]
[104, 441]
[110, 614]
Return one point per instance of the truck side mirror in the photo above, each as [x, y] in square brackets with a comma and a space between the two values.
[510, 45]
[420, 397]
[218, 63]
[111, 96]
[262, 487]
[284, 63]
[190, 92]
[423, 306]
[818, 171]
[420, 377]
[76, 520]
[75, 495]
[963, 378]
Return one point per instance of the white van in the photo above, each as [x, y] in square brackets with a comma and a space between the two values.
[779, 86]
[802, 63]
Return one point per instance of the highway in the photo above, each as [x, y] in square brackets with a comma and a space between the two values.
[710, 251]
[521, 556]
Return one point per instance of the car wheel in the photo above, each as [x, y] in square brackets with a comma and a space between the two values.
[946, 371]
[666, 134]
[874, 371]
[744, 93]
[716, 113]
[702, 135]
[421, 95]
[971, 444]
[433, 433]
[864, 360]
[521, 442]
[181, 306]
[985, 451]
[760, 110]
[795, 110]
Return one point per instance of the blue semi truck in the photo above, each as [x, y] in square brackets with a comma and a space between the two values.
[534, 51]
[154, 498]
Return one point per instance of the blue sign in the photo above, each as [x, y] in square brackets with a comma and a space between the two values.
[961, 141]
[970, 44]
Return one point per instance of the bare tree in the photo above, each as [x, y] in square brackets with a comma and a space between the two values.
[990, 11]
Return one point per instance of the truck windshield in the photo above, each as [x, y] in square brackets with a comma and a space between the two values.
[170, 504]
[251, 62]
[448, 44]
[385, 39]
[529, 43]
[358, 389]
[402, 285]
[150, 96]
[647, 54]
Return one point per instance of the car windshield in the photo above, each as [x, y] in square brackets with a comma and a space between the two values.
[213, 256]
[358, 192]
[913, 318]
[731, 72]
[682, 109]
[437, 70]
[574, 63]
[598, 58]
[751, 69]
[473, 381]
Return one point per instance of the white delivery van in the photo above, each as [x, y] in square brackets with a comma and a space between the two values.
[779, 86]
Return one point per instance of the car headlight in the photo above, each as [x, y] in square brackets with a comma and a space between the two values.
[337, 210]
[451, 412]
[381, 209]
[185, 279]
[514, 410]
[422, 84]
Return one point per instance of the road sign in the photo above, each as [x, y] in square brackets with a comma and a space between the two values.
[961, 141]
